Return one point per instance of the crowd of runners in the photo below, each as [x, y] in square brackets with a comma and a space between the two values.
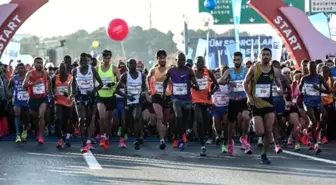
[264, 100]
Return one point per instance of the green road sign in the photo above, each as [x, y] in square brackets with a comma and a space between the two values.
[223, 11]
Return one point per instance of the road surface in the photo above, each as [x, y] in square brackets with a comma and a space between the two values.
[31, 164]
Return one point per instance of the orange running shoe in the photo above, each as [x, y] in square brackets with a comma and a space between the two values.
[60, 143]
[324, 140]
[40, 140]
[184, 138]
[175, 143]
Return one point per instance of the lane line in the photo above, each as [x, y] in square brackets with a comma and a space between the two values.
[92, 161]
[310, 157]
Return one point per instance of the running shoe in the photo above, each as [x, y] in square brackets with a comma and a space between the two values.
[40, 140]
[67, 142]
[122, 143]
[317, 149]
[136, 145]
[260, 142]
[85, 149]
[324, 140]
[18, 139]
[278, 149]
[248, 150]
[231, 148]
[297, 147]
[175, 143]
[60, 143]
[24, 135]
[290, 141]
[224, 149]
[119, 131]
[184, 137]
[162, 145]
[244, 143]
[203, 151]
[264, 159]
[310, 146]
[181, 144]
[218, 140]
[102, 142]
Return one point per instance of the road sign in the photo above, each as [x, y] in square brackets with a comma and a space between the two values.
[327, 6]
[223, 12]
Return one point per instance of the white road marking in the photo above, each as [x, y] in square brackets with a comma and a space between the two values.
[91, 161]
[310, 157]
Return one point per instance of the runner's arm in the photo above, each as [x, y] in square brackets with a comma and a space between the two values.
[149, 76]
[73, 83]
[143, 85]
[225, 78]
[193, 79]
[214, 81]
[116, 73]
[10, 87]
[166, 81]
[26, 81]
[248, 78]
[121, 82]
[301, 83]
[327, 89]
[53, 84]
[277, 76]
[97, 77]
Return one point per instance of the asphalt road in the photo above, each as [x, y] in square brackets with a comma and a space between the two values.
[31, 164]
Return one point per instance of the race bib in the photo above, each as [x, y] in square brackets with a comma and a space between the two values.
[310, 91]
[239, 86]
[263, 90]
[62, 89]
[159, 87]
[22, 96]
[180, 89]
[106, 81]
[85, 84]
[134, 89]
[39, 89]
[202, 83]
[222, 100]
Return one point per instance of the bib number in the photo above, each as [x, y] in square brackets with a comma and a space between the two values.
[62, 89]
[85, 85]
[159, 87]
[23, 96]
[106, 81]
[134, 89]
[39, 89]
[180, 89]
[222, 100]
[202, 83]
[263, 90]
[239, 86]
[310, 91]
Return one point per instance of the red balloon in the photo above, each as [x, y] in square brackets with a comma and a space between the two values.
[117, 29]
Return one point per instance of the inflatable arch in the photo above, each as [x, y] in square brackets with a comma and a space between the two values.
[301, 38]
[13, 15]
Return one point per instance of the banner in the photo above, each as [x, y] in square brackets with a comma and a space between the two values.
[320, 22]
[236, 10]
[277, 47]
[217, 49]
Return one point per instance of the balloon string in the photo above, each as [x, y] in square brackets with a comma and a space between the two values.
[123, 50]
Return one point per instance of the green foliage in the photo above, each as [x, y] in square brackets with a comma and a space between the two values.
[140, 44]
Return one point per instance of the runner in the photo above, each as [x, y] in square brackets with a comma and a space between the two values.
[135, 85]
[60, 85]
[202, 100]
[160, 105]
[119, 115]
[20, 97]
[106, 98]
[311, 88]
[182, 79]
[84, 90]
[238, 109]
[36, 81]
[259, 97]
[219, 112]
[327, 101]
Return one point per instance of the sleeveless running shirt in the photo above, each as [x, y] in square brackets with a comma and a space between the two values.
[157, 83]
[327, 98]
[201, 96]
[61, 88]
[21, 95]
[221, 97]
[181, 84]
[311, 96]
[39, 90]
[133, 88]
[107, 77]
[85, 82]
[262, 87]
[238, 92]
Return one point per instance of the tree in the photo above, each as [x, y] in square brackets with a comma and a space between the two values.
[140, 44]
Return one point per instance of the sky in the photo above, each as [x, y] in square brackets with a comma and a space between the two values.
[62, 17]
